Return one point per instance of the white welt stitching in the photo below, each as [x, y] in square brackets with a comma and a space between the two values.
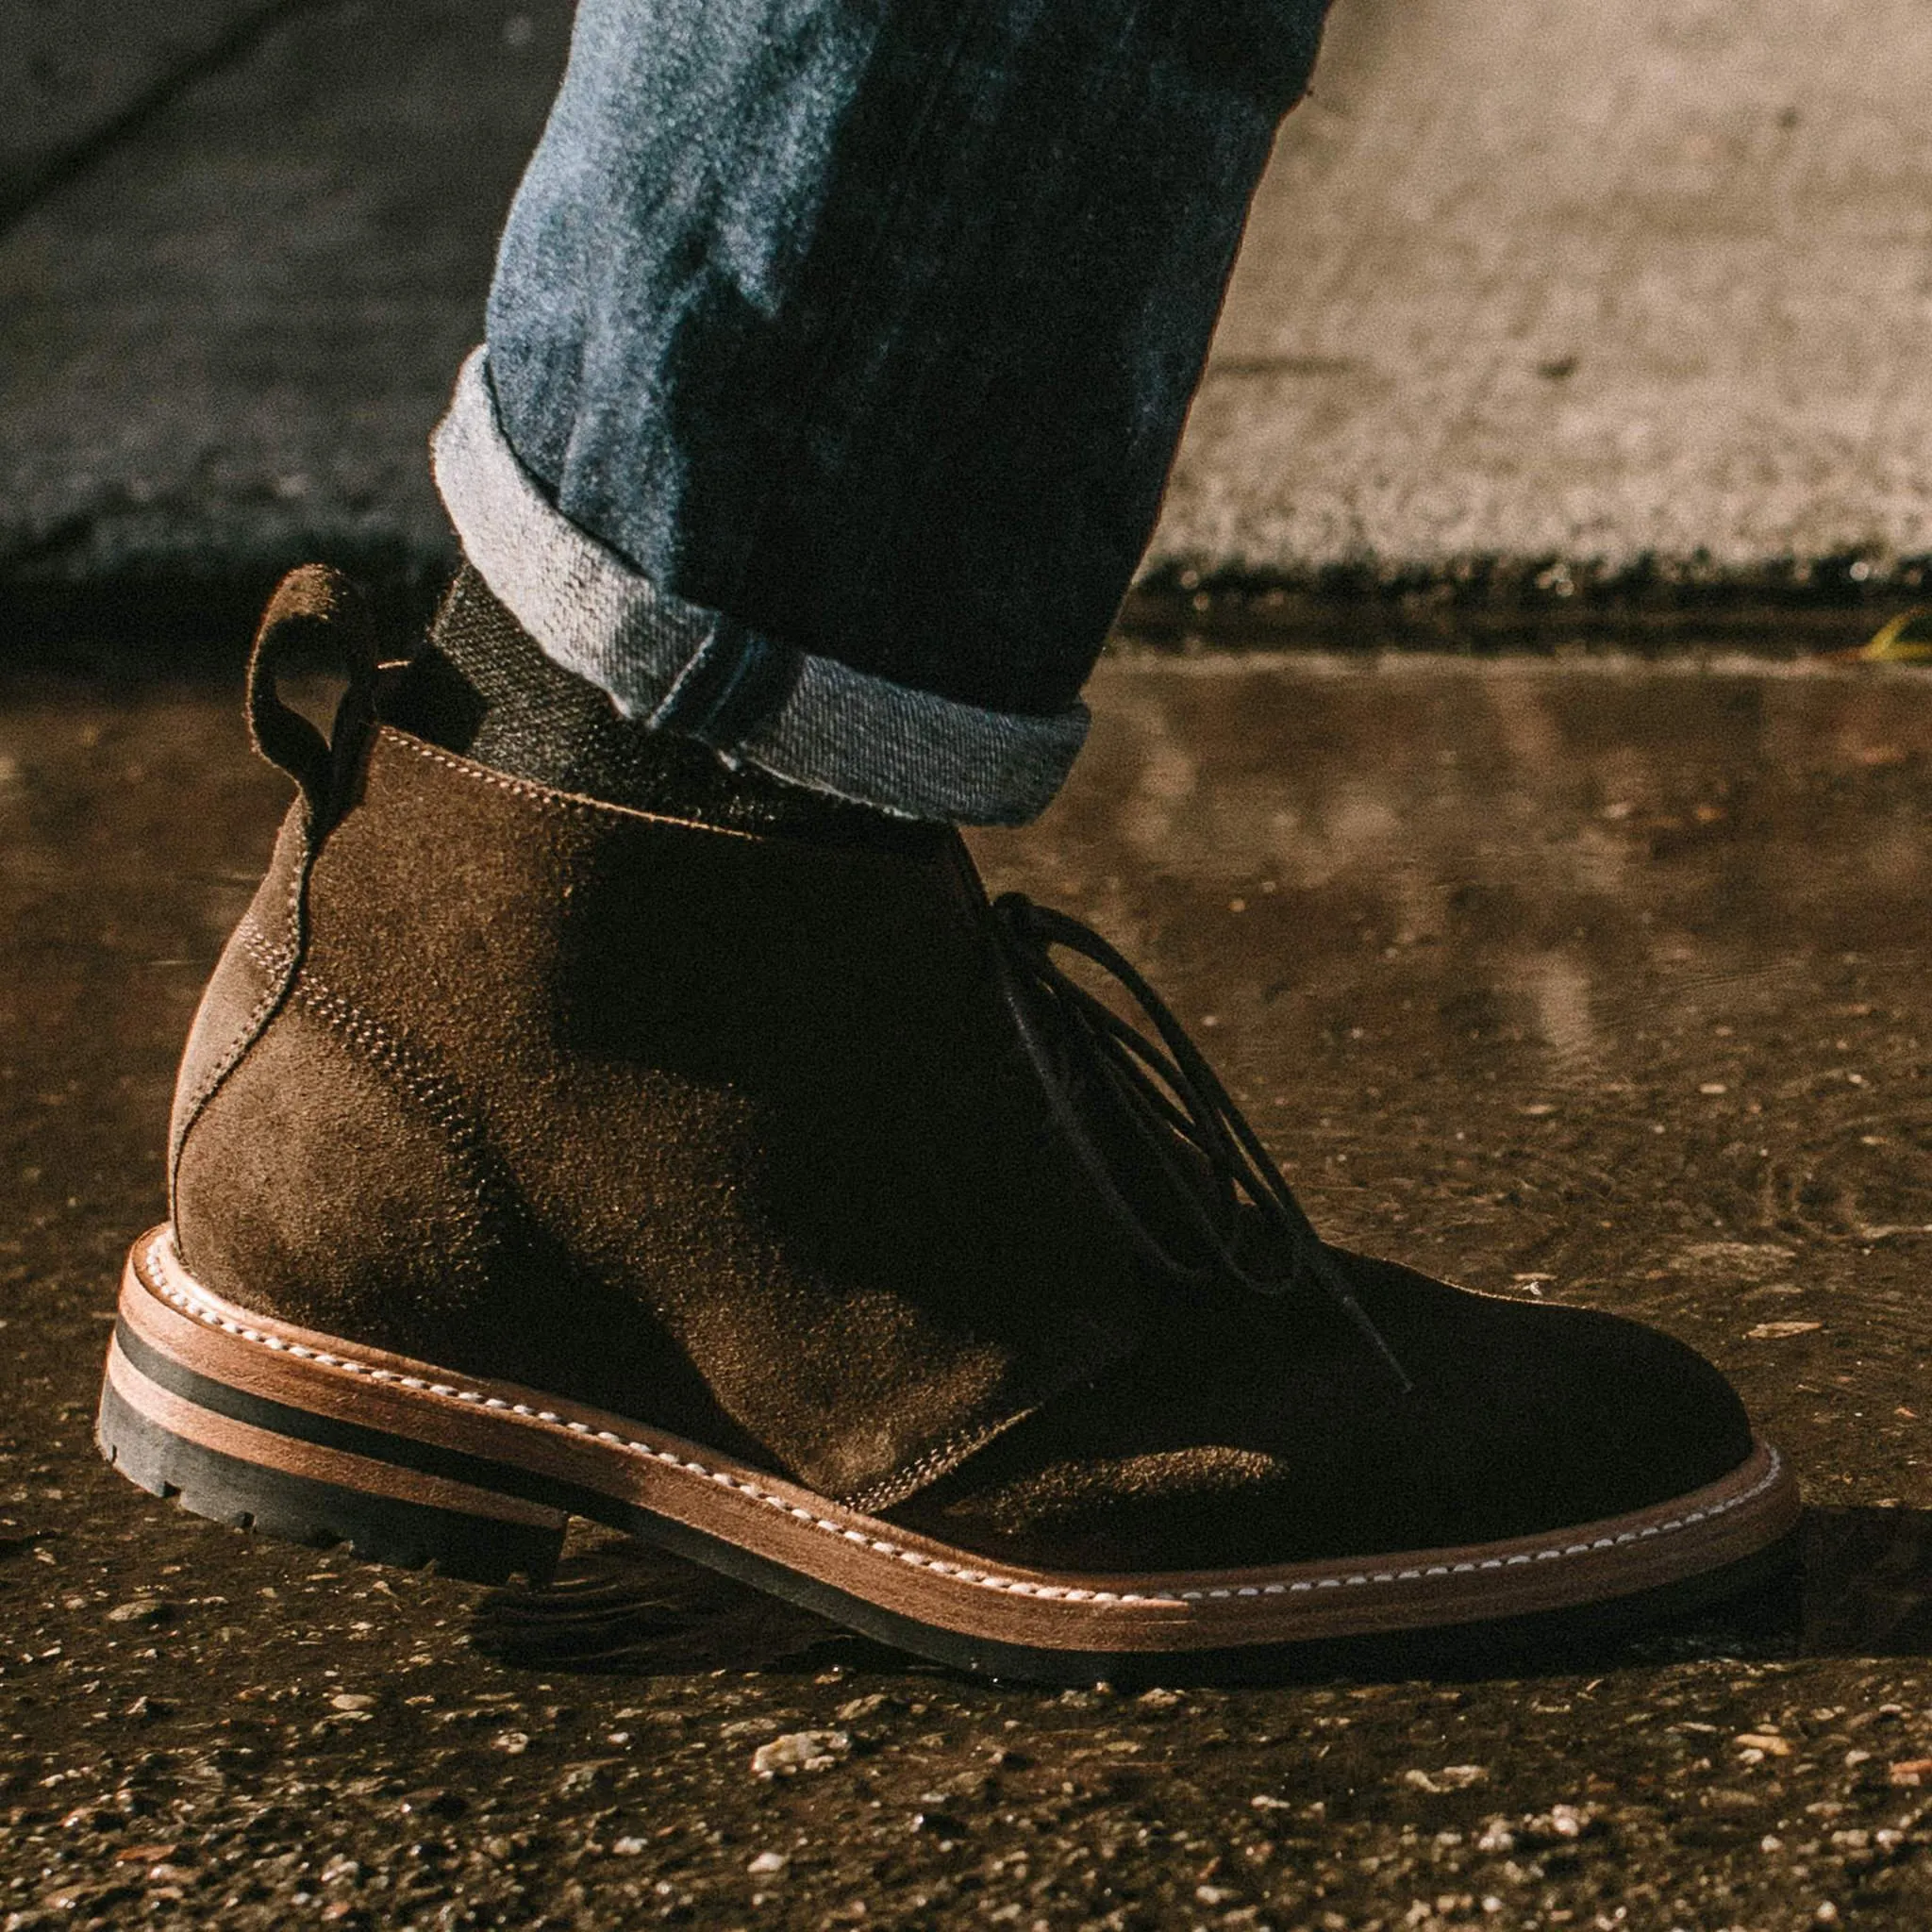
[191, 1306]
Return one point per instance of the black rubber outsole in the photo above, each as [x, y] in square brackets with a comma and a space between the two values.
[378, 1529]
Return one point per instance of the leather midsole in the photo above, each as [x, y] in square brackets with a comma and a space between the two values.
[297, 1400]
[209, 1428]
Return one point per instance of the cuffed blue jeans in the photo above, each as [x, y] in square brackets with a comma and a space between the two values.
[837, 353]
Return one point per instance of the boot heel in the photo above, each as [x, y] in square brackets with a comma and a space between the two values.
[502, 1539]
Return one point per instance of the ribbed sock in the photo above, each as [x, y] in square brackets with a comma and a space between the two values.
[483, 687]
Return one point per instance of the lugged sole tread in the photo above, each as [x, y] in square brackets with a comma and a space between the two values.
[318, 1515]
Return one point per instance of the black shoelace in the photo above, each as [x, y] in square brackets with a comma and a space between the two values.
[1174, 1101]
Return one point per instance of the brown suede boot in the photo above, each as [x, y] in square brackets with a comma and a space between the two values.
[783, 1202]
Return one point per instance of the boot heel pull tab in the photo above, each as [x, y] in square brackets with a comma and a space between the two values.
[317, 620]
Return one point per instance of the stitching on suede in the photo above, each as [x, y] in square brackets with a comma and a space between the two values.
[947, 1455]
[279, 962]
[437, 1097]
[935, 1462]
[595, 809]
[153, 1275]
[481, 775]
[266, 952]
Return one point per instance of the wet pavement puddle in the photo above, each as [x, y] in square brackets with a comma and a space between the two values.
[1597, 981]
[1867, 1583]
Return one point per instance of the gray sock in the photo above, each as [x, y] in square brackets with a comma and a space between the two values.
[483, 687]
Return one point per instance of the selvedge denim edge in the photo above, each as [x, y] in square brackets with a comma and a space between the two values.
[803, 717]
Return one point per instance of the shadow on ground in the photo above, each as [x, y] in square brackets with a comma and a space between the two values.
[1861, 1586]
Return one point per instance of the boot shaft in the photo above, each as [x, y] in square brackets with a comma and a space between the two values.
[516, 1080]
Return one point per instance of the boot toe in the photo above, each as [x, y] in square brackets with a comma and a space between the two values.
[1236, 1443]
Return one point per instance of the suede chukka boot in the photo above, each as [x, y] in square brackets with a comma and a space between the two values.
[778, 1199]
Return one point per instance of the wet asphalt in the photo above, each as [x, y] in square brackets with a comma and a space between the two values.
[1596, 980]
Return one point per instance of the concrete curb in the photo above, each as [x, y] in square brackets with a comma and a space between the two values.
[1551, 323]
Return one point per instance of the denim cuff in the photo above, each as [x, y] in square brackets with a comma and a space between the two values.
[678, 667]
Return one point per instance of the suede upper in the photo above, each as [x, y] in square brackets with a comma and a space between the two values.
[696, 1125]
[735, 1135]
[1249, 1431]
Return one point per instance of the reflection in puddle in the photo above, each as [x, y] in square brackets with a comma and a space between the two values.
[624, 1607]
[1867, 1583]
[1862, 1588]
